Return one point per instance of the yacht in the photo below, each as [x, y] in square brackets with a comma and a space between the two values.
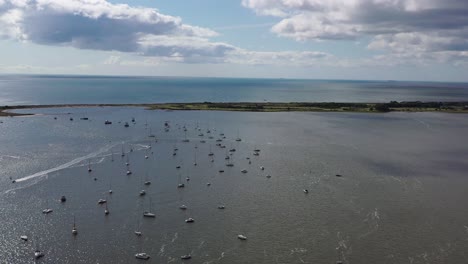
[242, 237]
[143, 256]
[189, 220]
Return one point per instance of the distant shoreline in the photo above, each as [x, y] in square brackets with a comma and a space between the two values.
[446, 107]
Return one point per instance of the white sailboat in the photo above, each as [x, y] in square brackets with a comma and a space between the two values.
[149, 213]
[74, 230]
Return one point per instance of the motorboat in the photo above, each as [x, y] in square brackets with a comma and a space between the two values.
[242, 237]
[189, 220]
[143, 256]
[102, 201]
[186, 257]
[148, 214]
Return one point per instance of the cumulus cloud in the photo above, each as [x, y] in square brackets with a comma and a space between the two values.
[406, 27]
[100, 25]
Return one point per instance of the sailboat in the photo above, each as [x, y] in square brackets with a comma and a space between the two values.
[238, 139]
[137, 231]
[195, 158]
[37, 252]
[151, 135]
[148, 213]
[211, 152]
[185, 139]
[106, 211]
[74, 231]
[89, 166]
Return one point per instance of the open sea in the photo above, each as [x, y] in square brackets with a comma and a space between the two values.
[382, 187]
[50, 89]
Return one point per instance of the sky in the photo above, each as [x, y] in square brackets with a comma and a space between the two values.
[421, 40]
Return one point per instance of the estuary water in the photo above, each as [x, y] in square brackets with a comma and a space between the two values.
[50, 89]
[401, 197]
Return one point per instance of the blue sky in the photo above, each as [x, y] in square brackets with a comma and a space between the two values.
[319, 39]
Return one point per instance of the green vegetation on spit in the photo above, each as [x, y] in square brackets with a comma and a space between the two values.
[448, 107]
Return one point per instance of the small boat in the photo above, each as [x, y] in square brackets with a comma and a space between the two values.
[126, 124]
[138, 233]
[142, 192]
[238, 139]
[256, 150]
[180, 185]
[230, 165]
[178, 167]
[208, 184]
[63, 199]
[133, 120]
[256, 154]
[183, 207]
[107, 122]
[221, 171]
[147, 183]
[71, 118]
[268, 176]
[186, 256]
[146, 157]
[244, 171]
[262, 168]
[339, 175]
[221, 207]
[143, 256]
[148, 214]
[306, 191]
[202, 141]
[129, 172]
[187, 179]
[84, 118]
[102, 201]
[232, 150]
[24, 238]
[242, 237]
[110, 191]
[189, 220]
[185, 140]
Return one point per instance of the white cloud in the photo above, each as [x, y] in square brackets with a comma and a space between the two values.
[404, 27]
[99, 25]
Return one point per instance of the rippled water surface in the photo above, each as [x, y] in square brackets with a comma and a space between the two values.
[401, 197]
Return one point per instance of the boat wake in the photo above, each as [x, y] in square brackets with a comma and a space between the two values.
[68, 164]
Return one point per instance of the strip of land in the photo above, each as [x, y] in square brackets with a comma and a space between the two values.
[448, 107]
